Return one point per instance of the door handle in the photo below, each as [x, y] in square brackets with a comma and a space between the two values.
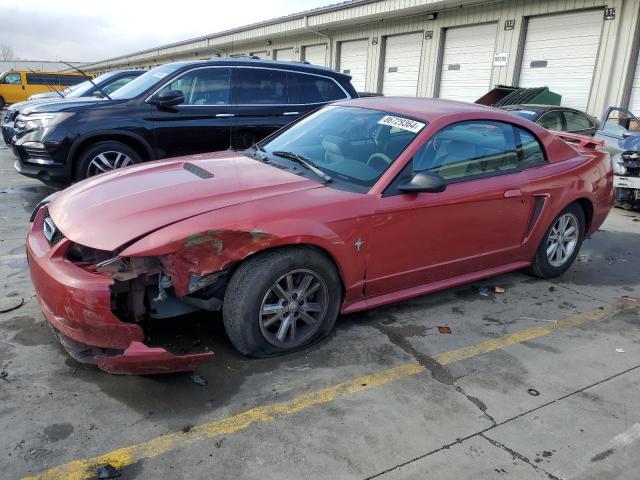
[513, 193]
[291, 113]
[225, 115]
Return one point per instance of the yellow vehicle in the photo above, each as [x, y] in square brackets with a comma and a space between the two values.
[18, 85]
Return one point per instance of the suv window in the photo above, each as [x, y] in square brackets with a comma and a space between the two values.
[576, 121]
[312, 89]
[469, 149]
[260, 86]
[12, 79]
[203, 86]
[551, 120]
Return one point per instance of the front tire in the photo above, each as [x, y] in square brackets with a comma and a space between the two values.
[281, 301]
[561, 243]
[104, 157]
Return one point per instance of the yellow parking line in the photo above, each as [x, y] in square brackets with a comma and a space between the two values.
[86, 468]
[17, 256]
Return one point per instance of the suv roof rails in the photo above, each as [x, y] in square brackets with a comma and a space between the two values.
[242, 55]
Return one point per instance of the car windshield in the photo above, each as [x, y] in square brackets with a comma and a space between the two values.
[83, 88]
[527, 114]
[73, 88]
[353, 146]
[144, 82]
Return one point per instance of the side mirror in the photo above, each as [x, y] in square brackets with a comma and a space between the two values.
[424, 182]
[168, 98]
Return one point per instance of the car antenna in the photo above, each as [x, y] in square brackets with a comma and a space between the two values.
[90, 80]
[51, 89]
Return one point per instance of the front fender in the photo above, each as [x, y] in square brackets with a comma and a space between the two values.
[196, 246]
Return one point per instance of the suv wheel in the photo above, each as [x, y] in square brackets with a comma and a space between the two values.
[105, 157]
[2, 103]
[281, 301]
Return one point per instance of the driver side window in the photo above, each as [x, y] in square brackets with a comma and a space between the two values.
[468, 150]
[12, 79]
[621, 121]
[203, 86]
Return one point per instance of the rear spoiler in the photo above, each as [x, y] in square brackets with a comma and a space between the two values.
[579, 140]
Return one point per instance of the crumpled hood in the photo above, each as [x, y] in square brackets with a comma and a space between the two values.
[112, 209]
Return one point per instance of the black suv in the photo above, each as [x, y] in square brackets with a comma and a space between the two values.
[104, 84]
[175, 109]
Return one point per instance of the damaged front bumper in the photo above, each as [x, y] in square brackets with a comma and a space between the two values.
[77, 304]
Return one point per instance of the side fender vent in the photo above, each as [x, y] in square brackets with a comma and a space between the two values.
[196, 170]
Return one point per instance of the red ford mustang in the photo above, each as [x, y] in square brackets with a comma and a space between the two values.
[362, 203]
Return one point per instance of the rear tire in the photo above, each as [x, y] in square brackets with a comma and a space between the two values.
[103, 157]
[560, 244]
[265, 315]
[2, 103]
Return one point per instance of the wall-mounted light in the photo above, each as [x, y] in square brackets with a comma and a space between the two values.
[432, 16]
[374, 40]
[268, 42]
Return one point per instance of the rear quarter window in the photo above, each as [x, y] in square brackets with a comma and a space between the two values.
[305, 88]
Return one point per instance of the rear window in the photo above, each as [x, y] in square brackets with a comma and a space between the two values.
[312, 89]
[54, 79]
[527, 114]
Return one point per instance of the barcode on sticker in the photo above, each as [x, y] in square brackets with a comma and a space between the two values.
[403, 123]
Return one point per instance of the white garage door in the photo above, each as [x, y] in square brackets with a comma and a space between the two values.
[467, 62]
[353, 61]
[284, 54]
[634, 103]
[402, 65]
[560, 52]
[316, 54]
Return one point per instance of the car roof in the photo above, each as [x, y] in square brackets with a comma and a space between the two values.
[257, 62]
[426, 109]
[537, 107]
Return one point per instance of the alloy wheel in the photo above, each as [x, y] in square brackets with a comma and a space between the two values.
[562, 239]
[107, 161]
[293, 308]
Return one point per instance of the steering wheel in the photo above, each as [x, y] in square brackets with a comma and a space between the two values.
[379, 161]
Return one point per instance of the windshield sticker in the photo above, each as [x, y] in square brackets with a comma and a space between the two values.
[403, 123]
[160, 74]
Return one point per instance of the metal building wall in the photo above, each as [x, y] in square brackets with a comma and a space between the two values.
[375, 20]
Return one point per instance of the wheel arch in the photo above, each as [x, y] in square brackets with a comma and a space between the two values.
[311, 246]
[136, 142]
[587, 208]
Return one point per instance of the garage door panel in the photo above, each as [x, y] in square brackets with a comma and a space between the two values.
[353, 61]
[467, 61]
[284, 54]
[402, 65]
[568, 43]
[634, 102]
[316, 54]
